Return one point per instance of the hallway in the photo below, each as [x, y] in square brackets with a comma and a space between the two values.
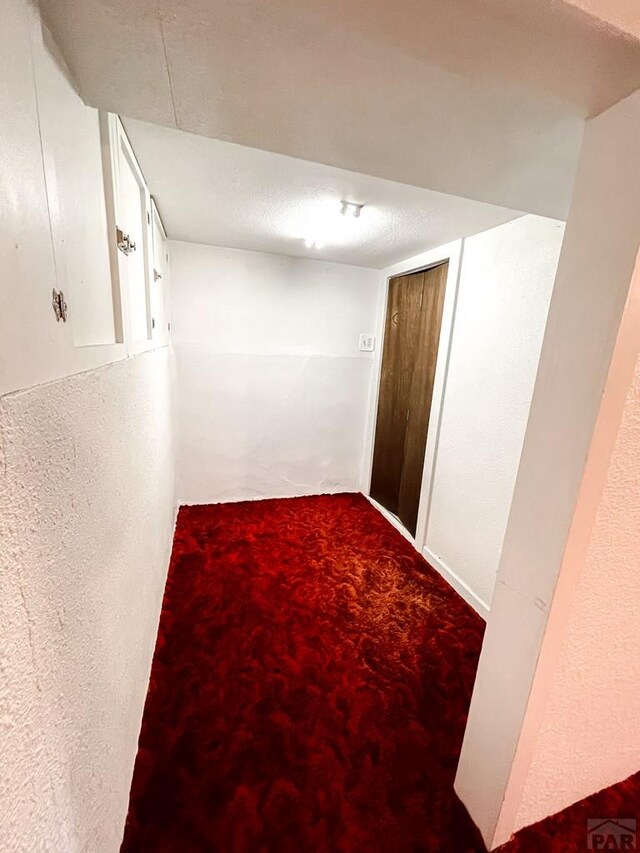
[309, 687]
[330, 314]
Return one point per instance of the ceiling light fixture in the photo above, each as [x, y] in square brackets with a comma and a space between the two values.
[328, 226]
[350, 207]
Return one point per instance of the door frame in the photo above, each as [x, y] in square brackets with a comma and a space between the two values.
[451, 253]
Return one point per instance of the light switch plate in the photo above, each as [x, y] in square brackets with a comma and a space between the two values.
[367, 343]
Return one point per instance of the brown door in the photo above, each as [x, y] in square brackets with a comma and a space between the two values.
[412, 333]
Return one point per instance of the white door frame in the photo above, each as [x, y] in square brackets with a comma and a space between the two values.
[451, 252]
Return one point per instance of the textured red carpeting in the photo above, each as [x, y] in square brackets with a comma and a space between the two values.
[566, 832]
[309, 693]
[309, 688]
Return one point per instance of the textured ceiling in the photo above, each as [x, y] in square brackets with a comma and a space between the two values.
[479, 98]
[224, 194]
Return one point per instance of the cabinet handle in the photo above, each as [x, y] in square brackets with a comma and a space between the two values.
[124, 242]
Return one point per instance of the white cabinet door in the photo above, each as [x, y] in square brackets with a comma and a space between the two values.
[70, 138]
[133, 227]
[160, 280]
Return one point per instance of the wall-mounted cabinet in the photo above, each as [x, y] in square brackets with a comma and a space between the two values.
[68, 178]
[139, 256]
[53, 219]
[70, 137]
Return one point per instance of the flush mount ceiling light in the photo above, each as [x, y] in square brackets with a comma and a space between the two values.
[350, 208]
[332, 224]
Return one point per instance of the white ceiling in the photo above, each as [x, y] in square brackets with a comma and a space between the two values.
[479, 98]
[224, 194]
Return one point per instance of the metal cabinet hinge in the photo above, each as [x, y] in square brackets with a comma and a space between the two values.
[59, 305]
[124, 242]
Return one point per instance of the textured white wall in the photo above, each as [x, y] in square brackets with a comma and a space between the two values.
[86, 476]
[272, 392]
[589, 733]
[506, 279]
[86, 519]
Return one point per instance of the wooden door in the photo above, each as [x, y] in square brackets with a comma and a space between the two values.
[412, 335]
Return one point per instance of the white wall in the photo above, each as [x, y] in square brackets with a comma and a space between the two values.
[506, 279]
[272, 392]
[86, 521]
[554, 508]
[498, 290]
[86, 475]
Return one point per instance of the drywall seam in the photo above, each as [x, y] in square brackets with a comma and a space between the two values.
[47, 194]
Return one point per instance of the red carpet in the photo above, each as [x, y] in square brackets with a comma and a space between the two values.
[309, 688]
[309, 692]
[566, 832]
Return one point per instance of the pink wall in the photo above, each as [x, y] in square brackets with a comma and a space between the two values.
[588, 738]
[622, 14]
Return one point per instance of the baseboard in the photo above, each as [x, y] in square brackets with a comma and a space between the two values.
[238, 499]
[393, 520]
[481, 608]
[448, 574]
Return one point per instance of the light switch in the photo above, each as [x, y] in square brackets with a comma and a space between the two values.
[367, 343]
